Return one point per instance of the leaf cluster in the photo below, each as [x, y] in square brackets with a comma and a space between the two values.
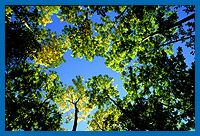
[138, 42]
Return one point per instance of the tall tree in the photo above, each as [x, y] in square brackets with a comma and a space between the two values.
[32, 20]
[77, 99]
[28, 89]
[28, 93]
[137, 41]
[161, 86]
[161, 96]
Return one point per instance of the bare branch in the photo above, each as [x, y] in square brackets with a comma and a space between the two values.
[184, 38]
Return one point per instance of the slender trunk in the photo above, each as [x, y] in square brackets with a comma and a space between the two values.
[176, 24]
[76, 118]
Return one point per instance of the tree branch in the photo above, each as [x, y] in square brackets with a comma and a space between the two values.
[169, 27]
[70, 101]
[24, 22]
[100, 127]
[184, 38]
[120, 16]
[122, 110]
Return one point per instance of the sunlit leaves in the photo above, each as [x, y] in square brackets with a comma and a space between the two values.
[160, 90]
[52, 50]
[162, 79]
[75, 95]
[101, 89]
[8, 12]
[25, 86]
[45, 14]
[169, 50]
[52, 46]
[68, 13]
[105, 120]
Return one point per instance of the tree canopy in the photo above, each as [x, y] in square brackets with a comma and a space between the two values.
[136, 41]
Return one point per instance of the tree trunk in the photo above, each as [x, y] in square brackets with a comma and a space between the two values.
[76, 118]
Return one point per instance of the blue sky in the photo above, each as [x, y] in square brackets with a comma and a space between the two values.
[64, 2]
[73, 67]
